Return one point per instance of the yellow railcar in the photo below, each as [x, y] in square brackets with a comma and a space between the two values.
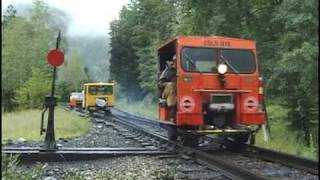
[98, 96]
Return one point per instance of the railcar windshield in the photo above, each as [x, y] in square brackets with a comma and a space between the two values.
[241, 61]
[206, 60]
[78, 96]
[199, 59]
[100, 90]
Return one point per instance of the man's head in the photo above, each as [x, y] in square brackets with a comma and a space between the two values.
[171, 63]
[174, 59]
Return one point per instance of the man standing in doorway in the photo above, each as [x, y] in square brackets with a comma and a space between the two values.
[167, 82]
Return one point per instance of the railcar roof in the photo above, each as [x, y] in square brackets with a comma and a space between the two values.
[211, 41]
[76, 93]
[98, 83]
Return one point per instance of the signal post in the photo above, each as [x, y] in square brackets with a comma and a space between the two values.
[55, 59]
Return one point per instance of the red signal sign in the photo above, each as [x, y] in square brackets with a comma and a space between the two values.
[55, 57]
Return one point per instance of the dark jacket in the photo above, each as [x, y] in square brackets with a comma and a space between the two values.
[167, 75]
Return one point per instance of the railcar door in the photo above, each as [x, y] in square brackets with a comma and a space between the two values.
[165, 54]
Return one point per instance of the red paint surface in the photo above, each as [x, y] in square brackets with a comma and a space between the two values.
[55, 58]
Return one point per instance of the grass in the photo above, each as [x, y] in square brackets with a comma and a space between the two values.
[282, 139]
[26, 124]
[10, 170]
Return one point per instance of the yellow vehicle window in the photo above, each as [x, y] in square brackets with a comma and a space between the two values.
[100, 90]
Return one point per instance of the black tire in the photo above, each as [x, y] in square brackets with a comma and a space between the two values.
[173, 134]
[241, 138]
[190, 140]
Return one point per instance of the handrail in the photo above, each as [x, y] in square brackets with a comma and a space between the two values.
[223, 90]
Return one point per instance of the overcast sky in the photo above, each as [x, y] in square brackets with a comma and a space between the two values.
[88, 17]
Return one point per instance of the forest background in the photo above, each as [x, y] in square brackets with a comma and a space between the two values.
[286, 32]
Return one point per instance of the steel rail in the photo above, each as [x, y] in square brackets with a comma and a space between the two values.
[65, 149]
[27, 155]
[282, 158]
[214, 162]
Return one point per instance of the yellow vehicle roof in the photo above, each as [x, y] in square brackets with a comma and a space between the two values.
[98, 83]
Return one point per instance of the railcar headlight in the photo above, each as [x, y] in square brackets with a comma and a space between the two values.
[222, 68]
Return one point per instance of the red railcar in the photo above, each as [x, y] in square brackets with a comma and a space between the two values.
[218, 87]
[76, 99]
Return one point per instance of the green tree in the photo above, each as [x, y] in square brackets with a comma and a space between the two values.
[26, 42]
[295, 73]
[44, 32]
[15, 54]
[94, 52]
[149, 34]
[135, 37]
[72, 75]
[31, 94]
[123, 60]
[11, 13]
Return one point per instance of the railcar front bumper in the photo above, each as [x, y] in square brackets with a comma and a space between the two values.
[218, 131]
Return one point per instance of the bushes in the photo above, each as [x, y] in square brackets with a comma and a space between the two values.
[9, 169]
[31, 94]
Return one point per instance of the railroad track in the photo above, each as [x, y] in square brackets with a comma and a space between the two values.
[65, 153]
[201, 157]
[285, 159]
[238, 160]
[29, 155]
[135, 128]
[234, 163]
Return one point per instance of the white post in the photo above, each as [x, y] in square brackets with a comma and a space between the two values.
[266, 135]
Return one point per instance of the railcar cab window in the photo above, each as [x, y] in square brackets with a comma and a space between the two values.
[199, 59]
[241, 61]
[205, 60]
[100, 90]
